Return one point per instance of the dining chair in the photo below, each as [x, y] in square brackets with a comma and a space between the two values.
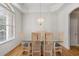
[36, 45]
[48, 44]
[58, 45]
[25, 45]
[26, 48]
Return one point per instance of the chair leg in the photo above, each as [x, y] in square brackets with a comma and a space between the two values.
[54, 52]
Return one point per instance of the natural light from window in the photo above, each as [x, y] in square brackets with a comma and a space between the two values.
[7, 25]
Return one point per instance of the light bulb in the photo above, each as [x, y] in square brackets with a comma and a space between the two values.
[41, 20]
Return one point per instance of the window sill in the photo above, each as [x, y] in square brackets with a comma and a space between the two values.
[6, 41]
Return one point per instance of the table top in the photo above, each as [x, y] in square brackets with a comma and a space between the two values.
[58, 41]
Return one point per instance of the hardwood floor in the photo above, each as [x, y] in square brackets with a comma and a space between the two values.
[18, 51]
[74, 51]
[15, 52]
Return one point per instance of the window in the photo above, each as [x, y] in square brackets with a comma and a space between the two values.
[2, 28]
[7, 25]
[10, 26]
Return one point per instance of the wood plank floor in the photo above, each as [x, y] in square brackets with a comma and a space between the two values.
[18, 51]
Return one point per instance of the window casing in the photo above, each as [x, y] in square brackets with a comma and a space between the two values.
[7, 25]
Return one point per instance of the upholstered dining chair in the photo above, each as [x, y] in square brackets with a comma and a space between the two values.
[36, 45]
[25, 45]
[48, 44]
[26, 48]
[58, 46]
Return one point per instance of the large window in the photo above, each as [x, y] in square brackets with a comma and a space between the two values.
[10, 26]
[2, 28]
[7, 24]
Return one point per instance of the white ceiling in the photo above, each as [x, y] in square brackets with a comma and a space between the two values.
[39, 7]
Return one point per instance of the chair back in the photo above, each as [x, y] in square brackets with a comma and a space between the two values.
[61, 37]
[48, 44]
[36, 45]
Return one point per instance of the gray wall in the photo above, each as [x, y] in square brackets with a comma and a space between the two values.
[30, 23]
[73, 31]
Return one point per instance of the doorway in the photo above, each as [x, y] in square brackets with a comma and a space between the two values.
[74, 28]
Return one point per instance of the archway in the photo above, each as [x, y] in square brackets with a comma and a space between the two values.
[64, 22]
[74, 28]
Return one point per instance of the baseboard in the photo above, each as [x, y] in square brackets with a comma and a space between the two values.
[75, 45]
[12, 50]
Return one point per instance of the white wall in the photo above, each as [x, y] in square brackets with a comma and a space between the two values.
[30, 23]
[8, 46]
